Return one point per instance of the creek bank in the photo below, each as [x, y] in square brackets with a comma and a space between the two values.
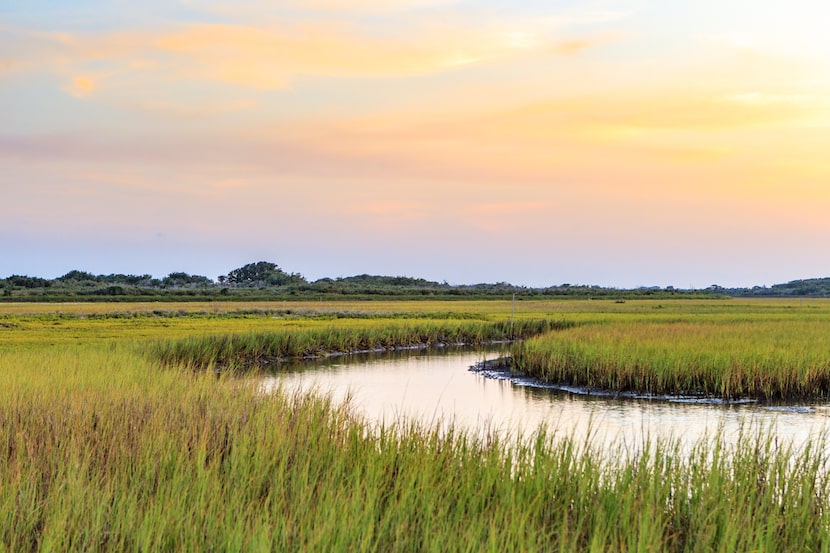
[502, 368]
[264, 362]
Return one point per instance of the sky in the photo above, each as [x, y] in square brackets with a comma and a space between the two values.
[618, 143]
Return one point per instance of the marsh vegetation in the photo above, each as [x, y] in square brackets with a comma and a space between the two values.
[105, 446]
[773, 351]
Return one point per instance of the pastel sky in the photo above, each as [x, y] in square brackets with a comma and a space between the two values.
[621, 143]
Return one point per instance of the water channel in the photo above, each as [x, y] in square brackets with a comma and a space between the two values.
[437, 387]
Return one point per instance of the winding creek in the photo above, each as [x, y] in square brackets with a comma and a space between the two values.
[437, 387]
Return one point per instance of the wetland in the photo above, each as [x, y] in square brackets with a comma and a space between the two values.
[129, 427]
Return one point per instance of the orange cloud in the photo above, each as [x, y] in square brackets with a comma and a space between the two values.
[679, 129]
[82, 85]
[572, 133]
[266, 58]
[271, 56]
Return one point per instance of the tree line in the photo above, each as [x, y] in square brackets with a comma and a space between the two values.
[267, 280]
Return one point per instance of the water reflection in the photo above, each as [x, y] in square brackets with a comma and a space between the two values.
[437, 387]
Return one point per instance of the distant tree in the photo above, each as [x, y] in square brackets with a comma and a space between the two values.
[389, 281]
[184, 279]
[132, 280]
[263, 273]
[24, 281]
[77, 276]
[251, 273]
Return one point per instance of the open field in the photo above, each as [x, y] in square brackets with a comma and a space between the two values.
[104, 447]
[575, 309]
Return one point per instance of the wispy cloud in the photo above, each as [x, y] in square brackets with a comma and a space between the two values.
[555, 141]
[363, 6]
[270, 56]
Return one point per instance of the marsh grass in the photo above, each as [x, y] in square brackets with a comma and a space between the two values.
[104, 451]
[248, 350]
[104, 448]
[760, 358]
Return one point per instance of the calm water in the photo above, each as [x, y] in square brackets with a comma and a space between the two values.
[437, 387]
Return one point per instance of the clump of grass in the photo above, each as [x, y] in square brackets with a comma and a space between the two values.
[247, 350]
[756, 357]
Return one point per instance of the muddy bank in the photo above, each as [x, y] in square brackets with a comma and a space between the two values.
[502, 368]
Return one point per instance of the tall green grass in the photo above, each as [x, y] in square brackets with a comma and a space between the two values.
[772, 358]
[246, 350]
[101, 450]
[105, 448]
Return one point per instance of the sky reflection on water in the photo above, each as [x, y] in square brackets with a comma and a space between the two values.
[438, 387]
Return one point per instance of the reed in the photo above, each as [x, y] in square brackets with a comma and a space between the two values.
[101, 450]
[760, 358]
[249, 350]
[106, 448]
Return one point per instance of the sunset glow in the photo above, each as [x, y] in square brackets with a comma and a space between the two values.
[620, 143]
